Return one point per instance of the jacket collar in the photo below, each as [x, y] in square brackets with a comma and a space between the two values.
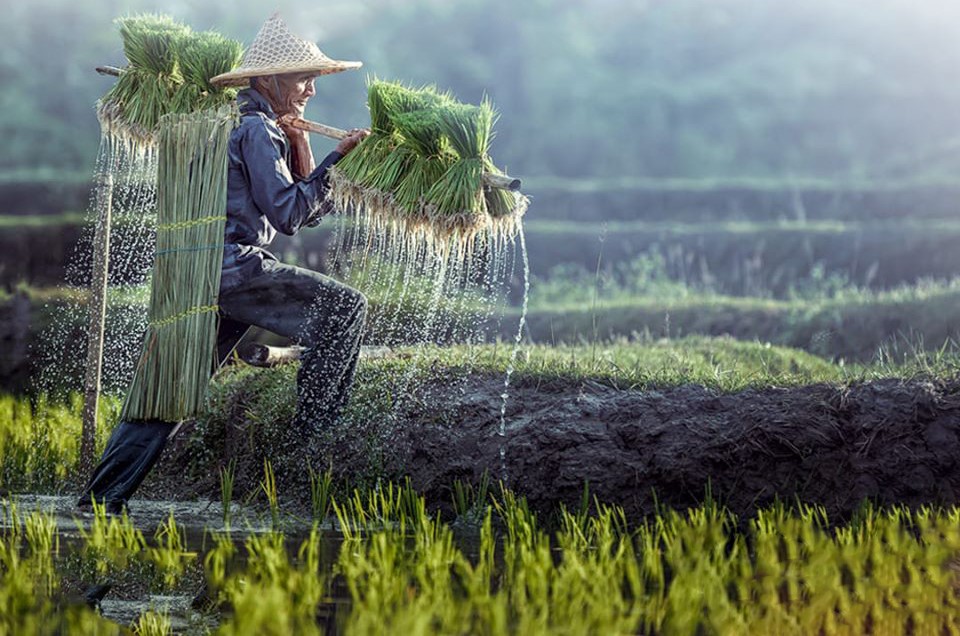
[251, 101]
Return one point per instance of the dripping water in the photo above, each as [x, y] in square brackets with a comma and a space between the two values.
[502, 432]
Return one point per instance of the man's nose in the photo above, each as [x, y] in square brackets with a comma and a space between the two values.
[310, 90]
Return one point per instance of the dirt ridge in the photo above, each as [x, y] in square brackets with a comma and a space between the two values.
[890, 441]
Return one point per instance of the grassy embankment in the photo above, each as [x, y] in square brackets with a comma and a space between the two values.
[499, 569]
[39, 436]
[855, 325]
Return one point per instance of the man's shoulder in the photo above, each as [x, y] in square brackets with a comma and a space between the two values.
[257, 124]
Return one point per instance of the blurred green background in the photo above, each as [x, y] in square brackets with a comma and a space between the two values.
[601, 88]
[772, 171]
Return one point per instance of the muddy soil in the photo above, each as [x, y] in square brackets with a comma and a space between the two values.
[890, 441]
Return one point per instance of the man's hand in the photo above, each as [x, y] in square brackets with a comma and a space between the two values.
[354, 136]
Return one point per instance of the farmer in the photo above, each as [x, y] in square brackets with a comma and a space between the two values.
[273, 185]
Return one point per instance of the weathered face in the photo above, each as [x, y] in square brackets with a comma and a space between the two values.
[295, 90]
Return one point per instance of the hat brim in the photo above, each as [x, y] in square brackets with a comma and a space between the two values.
[241, 76]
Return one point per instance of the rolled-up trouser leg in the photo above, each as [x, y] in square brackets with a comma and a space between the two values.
[324, 316]
[134, 447]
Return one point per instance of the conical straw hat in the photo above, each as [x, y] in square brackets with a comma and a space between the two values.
[276, 50]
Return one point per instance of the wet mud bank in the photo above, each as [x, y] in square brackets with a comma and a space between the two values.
[889, 441]
[893, 442]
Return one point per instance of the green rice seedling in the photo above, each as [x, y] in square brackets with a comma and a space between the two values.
[345, 524]
[400, 582]
[269, 487]
[150, 41]
[42, 548]
[469, 130]
[29, 582]
[16, 425]
[39, 439]
[20, 599]
[169, 68]
[170, 556]
[111, 543]
[394, 166]
[227, 477]
[146, 90]
[688, 572]
[390, 506]
[271, 595]
[152, 623]
[217, 561]
[470, 501]
[420, 131]
[598, 549]
[321, 494]
[421, 172]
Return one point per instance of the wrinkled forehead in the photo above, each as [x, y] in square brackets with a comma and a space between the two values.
[290, 79]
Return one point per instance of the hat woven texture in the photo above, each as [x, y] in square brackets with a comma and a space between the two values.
[276, 50]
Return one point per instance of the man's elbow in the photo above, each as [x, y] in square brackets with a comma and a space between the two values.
[288, 228]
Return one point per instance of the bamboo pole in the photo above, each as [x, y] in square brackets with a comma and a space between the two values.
[95, 323]
[498, 181]
[501, 182]
[260, 355]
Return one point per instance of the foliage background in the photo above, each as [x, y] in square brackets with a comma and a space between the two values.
[860, 89]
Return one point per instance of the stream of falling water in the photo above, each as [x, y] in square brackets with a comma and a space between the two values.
[133, 168]
[426, 291]
[502, 432]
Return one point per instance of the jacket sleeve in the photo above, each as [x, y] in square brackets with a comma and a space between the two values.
[286, 203]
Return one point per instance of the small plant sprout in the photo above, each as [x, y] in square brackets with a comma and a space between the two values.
[269, 488]
[227, 476]
[321, 486]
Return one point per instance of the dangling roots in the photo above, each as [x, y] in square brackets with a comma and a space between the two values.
[442, 235]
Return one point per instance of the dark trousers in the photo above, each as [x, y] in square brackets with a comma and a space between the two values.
[320, 314]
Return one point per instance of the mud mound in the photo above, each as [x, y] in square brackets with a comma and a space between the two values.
[891, 441]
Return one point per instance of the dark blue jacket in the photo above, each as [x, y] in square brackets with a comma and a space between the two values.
[262, 196]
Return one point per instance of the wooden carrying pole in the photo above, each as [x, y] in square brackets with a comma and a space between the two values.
[96, 320]
[499, 181]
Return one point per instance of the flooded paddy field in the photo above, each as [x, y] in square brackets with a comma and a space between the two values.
[673, 487]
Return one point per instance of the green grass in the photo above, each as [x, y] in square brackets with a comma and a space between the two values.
[856, 325]
[761, 184]
[15, 222]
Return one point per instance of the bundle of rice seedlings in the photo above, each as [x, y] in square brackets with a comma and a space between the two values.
[422, 170]
[168, 71]
[420, 133]
[180, 345]
[145, 90]
[202, 56]
[381, 159]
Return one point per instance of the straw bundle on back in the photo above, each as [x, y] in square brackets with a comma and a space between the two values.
[163, 102]
[421, 171]
[178, 353]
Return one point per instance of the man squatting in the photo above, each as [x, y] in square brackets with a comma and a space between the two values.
[273, 185]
